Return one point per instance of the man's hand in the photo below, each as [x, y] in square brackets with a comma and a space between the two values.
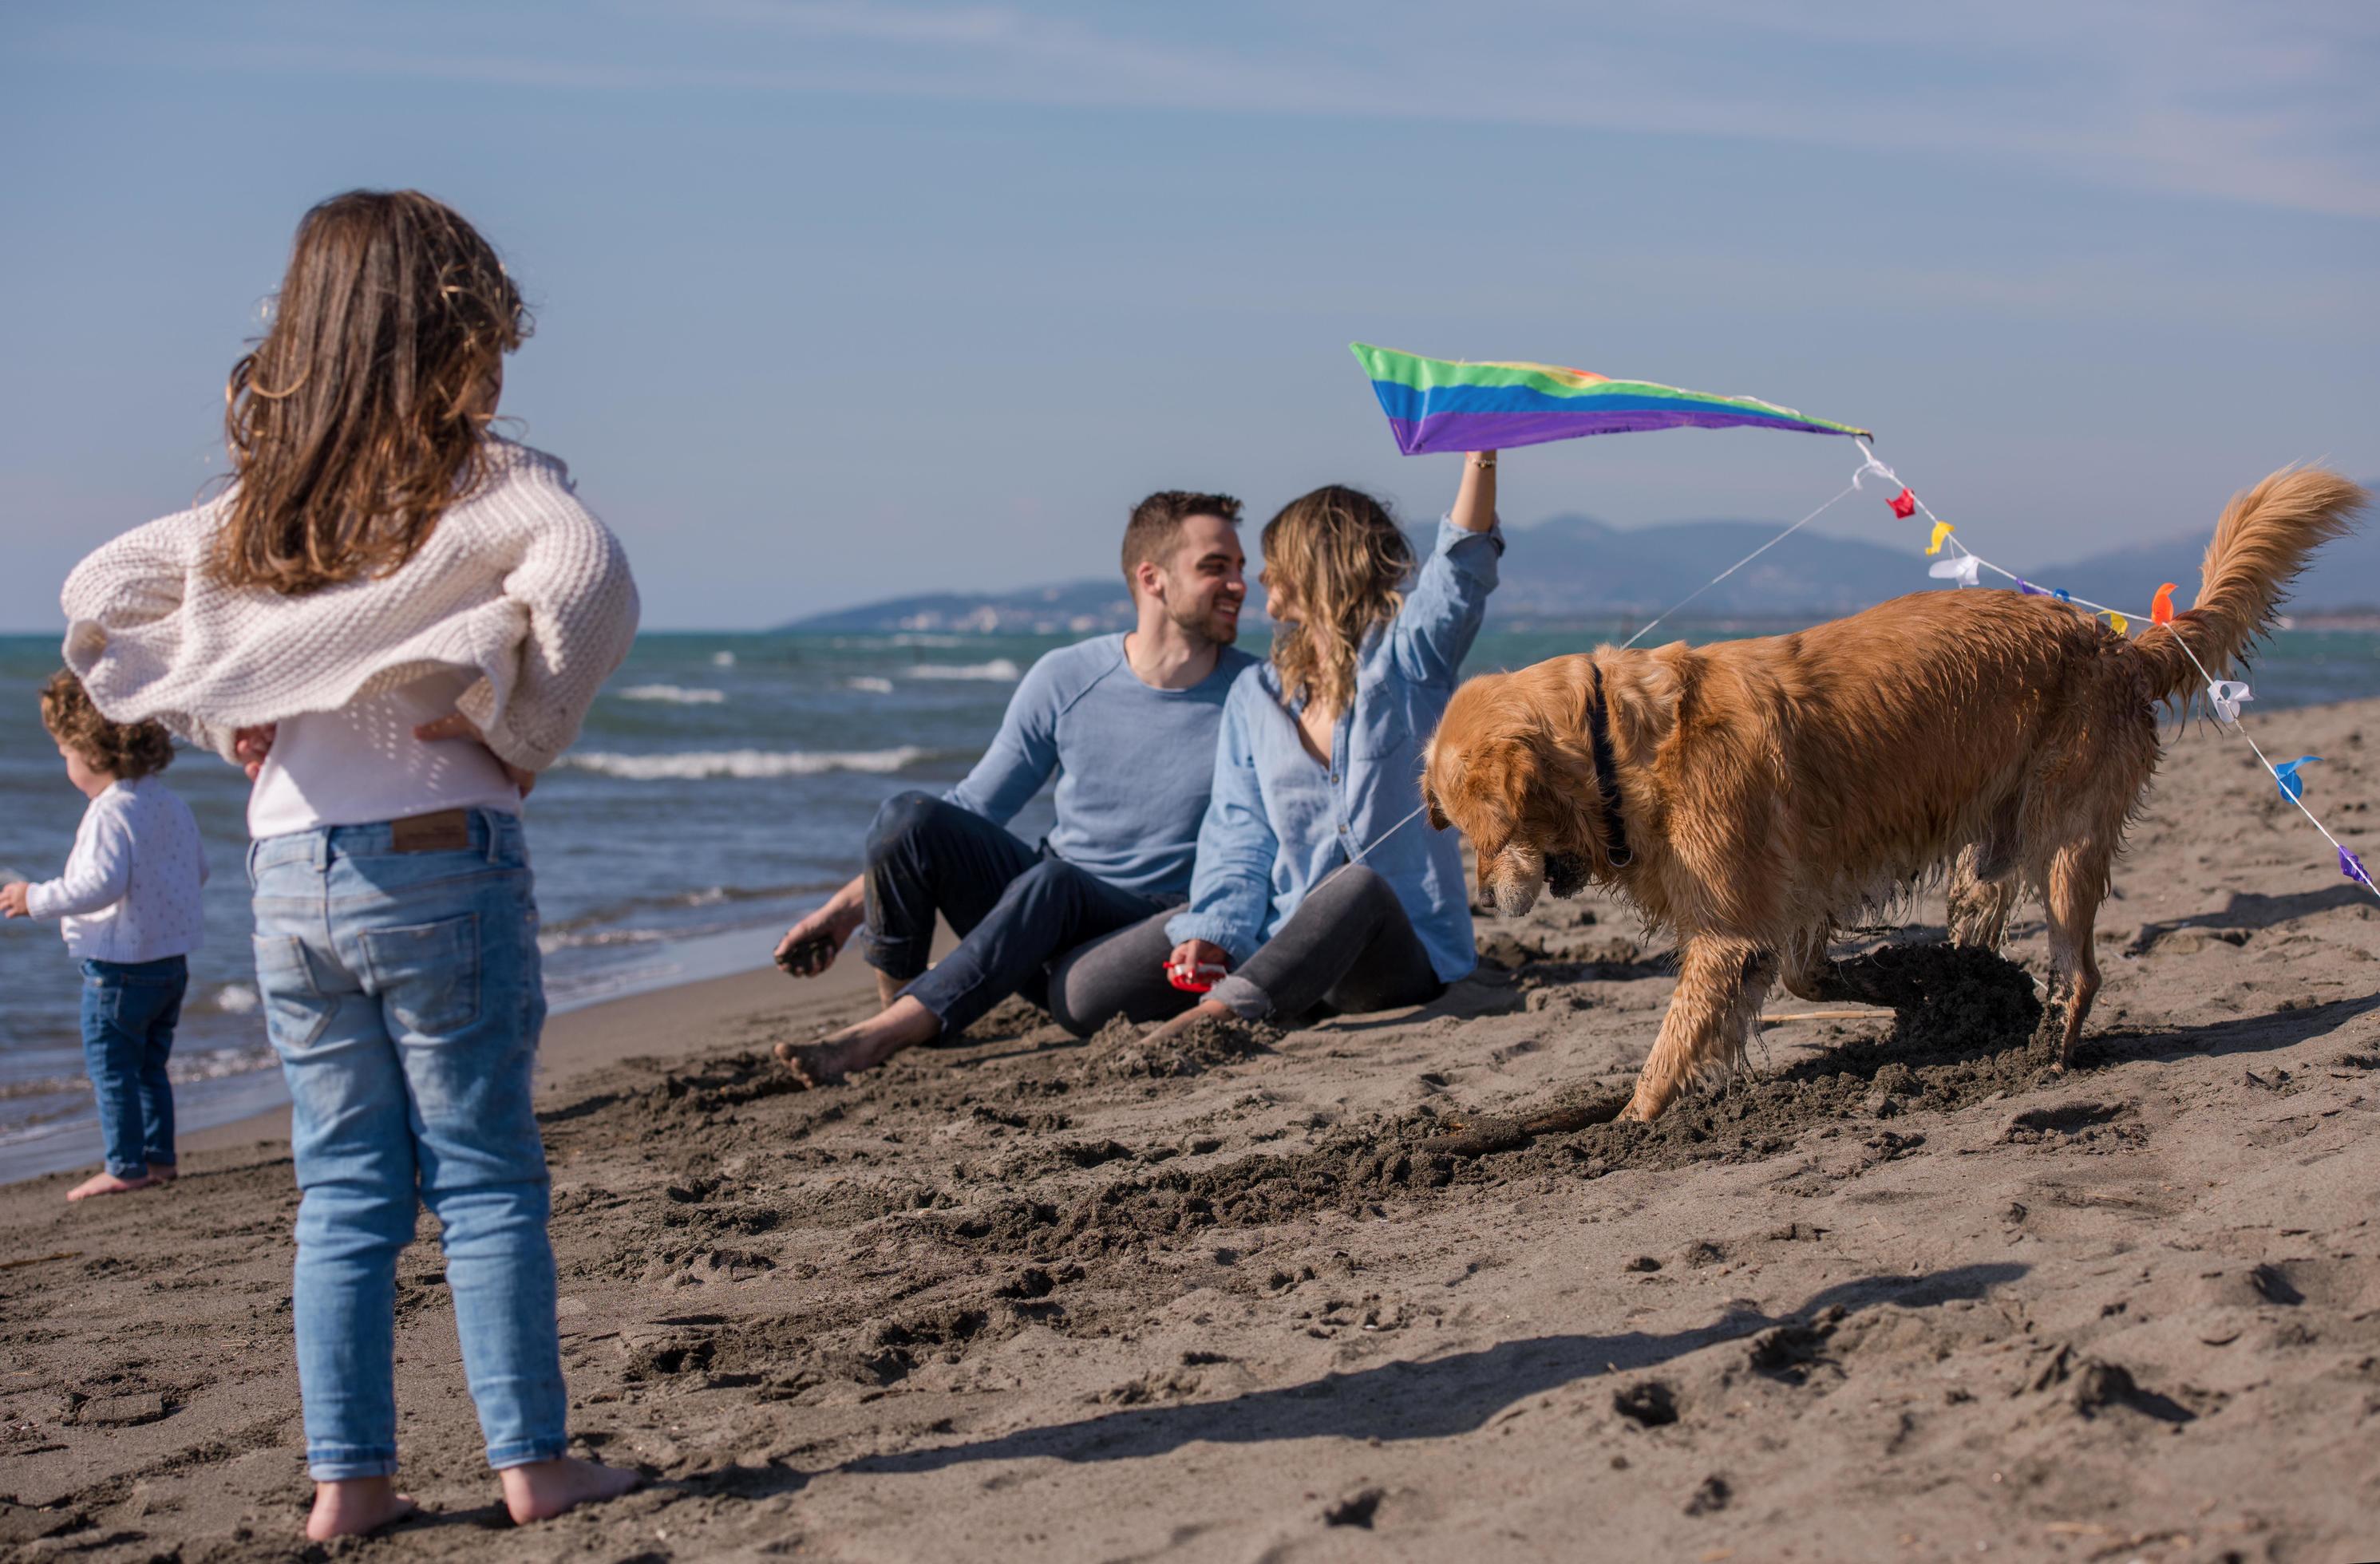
[456, 725]
[1190, 955]
[811, 945]
[252, 746]
[15, 900]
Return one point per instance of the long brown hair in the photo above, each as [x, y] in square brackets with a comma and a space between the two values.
[1342, 557]
[361, 415]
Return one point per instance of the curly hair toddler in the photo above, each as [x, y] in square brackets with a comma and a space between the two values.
[128, 902]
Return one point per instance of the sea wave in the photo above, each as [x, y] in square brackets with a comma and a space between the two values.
[204, 1064]
[237, 999]
[695, 765]
[998, 668]
[869, 684]
[676, 695]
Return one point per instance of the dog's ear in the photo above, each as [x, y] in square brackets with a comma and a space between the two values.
[1438, 820]
[1507, 770]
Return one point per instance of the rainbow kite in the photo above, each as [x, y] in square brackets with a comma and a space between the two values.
[1437, 406]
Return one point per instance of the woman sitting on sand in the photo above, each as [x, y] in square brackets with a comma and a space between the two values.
[1317, 882]
[394, 620]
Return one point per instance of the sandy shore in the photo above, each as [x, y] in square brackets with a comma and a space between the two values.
[664, 1021]
[1902, 1294]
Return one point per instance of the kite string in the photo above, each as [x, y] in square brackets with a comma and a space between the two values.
[1357, 856]
[1647, 627]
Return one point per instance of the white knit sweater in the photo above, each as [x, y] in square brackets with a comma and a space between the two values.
[519, 584]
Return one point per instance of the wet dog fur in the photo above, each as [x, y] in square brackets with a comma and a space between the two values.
[1771, 790]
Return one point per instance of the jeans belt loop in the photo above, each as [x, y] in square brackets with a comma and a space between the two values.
[488, 823]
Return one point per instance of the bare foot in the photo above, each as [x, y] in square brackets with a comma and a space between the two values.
[1205, 1009]
[108, 1184]
[349, 1507]
[544, 1489]
[816, 1064]
[863, 1047]
[164, 1172]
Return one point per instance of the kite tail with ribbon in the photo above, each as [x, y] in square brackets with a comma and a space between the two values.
[2263, 541]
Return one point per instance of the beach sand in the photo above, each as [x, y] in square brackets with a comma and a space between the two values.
[1903, 1293]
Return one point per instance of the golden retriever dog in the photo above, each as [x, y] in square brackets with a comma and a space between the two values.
[1751, 797]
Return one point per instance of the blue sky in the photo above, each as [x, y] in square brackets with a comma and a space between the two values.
[838, 301]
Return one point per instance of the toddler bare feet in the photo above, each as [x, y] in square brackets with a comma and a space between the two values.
[108, 1184]
[353, 1506]
[544, 1489]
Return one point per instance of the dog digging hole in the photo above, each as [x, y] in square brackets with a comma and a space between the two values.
[1965, 1038]
[1963, 1031]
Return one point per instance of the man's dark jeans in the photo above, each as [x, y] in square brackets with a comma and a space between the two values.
[1017, 912]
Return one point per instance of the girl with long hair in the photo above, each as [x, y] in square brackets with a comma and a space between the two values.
[1319, 881]
[394, 620]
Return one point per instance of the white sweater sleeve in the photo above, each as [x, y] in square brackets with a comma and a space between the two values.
[578, 609]
[98, 872]
[129, 594]
[517, 585]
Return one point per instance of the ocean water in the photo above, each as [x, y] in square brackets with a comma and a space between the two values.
[722, 787]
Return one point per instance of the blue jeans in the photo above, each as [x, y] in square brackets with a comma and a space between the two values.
[129, 1010]
[1024, 921]
[402, 994]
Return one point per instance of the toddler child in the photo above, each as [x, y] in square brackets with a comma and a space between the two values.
[129, 905]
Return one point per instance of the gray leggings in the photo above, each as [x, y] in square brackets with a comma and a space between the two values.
[1348, 945]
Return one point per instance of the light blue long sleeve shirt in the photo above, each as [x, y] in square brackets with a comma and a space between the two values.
[1134, 763]
[1279, 821]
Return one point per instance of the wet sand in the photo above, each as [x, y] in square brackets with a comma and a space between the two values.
[1903, 1292]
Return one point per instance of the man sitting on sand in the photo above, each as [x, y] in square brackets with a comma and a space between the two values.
[1128, 723]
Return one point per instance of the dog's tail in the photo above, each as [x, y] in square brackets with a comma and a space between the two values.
[2260, 545]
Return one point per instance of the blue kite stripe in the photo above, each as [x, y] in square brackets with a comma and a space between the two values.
[1407, 404]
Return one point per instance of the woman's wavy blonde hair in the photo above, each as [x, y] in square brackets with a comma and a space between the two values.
[361, 415]
[1340, 553]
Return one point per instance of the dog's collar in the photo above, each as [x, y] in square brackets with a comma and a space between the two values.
[1607, 777]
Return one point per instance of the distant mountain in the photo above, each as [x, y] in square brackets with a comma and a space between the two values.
[1577, 567]
[1080, 608]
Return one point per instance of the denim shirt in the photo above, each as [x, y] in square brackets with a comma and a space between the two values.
[1279, 822]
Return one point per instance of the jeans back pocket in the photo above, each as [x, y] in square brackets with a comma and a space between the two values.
[427, 976]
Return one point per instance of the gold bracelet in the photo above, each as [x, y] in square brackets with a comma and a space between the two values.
[1485, 464]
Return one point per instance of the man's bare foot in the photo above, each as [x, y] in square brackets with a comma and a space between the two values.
[1205, 1009]
[822, 1063]
[349, 1507]
[863, 1047]
[108, 1184]
[544, 1489]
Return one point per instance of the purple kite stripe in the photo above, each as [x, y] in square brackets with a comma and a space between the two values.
[1505, 431]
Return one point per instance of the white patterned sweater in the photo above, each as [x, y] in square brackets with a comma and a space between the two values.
[519, 584]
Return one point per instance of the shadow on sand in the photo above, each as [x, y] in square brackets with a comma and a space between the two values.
[1431, 1399]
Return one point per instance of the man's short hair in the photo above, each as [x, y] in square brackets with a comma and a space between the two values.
[1156, 525]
